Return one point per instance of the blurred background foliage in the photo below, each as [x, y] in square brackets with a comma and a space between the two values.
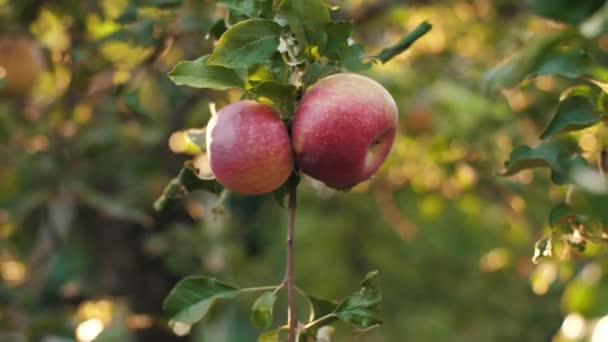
[86, 113]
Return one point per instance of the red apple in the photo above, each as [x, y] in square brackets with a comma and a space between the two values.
[343, 129]
[249, 148]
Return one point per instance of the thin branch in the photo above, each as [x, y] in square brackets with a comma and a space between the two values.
[292, 320]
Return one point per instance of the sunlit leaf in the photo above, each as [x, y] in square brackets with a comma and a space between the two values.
[280, 96]
[190, 300]
[542, 248]
[199, 74]
[246, 43]
[261, 312]
[269, 336]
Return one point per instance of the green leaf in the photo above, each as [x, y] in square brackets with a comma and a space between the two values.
[159, 3]
[561, 213]
[199, 74]
[316, 71]
[563, 174]
[192, 297]
[246, 43]
[320, 307]
[185, 182]
[269, 336]
[544, 56]
[352, 58]
[308, 20]
[338, 34]
[575, 112]
[280, 194]
[248, 8]
[525, 157]
[388, 53]
[280, 96]
[261, 312]
[572, 12]
[218, 28]
[361, 309]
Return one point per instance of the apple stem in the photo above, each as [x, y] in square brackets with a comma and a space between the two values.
[292, 320]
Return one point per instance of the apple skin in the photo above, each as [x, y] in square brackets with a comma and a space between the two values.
[343, 129]
[249, 148]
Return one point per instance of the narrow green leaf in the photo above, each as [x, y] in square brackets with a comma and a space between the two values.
[572, 12]
[192, 297]
[308, 20]
[575, 112]
[388, 53]
[196, 140]
[199, 74]
[246, 43]
[280, 96]
[561, 213]
[361, 309]
[269, 336]
[261, 312]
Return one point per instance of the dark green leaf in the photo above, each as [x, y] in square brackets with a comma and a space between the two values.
[192, 297]
[563, 174]
[572, 12]
[246, 8]
[316, 71]
[352, 58]
[218, 28]
[261, 312]
[199, 74]
[525, 157]
[575, 112]
[159, 3]
[280, 96]
[280, 194]
[338, 34]
[361, 309]
[320, 307]
[246, 43]
[308, 20]
[561, 213]
[186, 181]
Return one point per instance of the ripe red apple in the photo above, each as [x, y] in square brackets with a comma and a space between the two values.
[249, 148]
[343, 129]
